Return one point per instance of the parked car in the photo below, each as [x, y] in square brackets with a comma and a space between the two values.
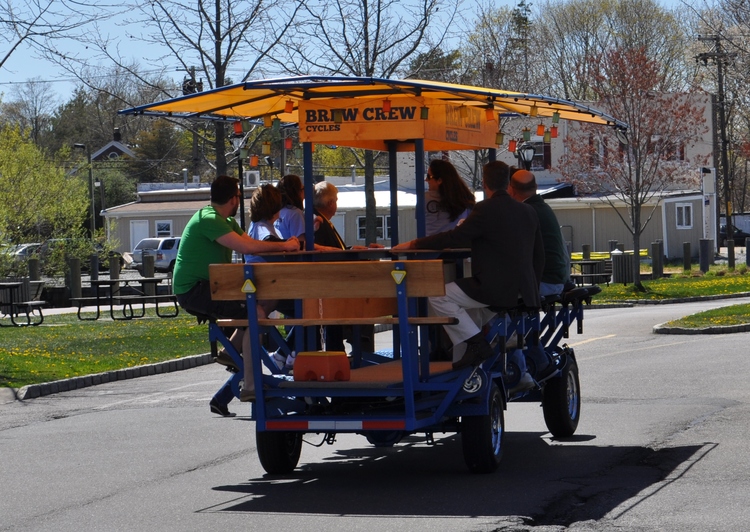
[55, 250]
[24, 251]
[739, 236]
[164, 251]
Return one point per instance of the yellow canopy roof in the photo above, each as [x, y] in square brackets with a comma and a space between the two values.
[284, 97]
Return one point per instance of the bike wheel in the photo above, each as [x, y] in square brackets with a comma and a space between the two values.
[482, 436]
[561, 401]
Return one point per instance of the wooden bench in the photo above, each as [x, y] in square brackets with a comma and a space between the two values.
[333, 293]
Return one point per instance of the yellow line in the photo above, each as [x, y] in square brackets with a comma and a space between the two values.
[626, 351]
[592, 340]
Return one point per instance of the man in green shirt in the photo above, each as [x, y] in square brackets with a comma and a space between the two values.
[209, 238]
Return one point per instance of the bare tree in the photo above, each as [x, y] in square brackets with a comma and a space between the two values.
[207, 39]
[662, 129]
[39, 23]
[364, 38]
[30, 107]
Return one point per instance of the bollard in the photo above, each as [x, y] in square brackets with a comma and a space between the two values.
[657, 262]
[586, 251]
[94, 265]
[687, 262]
[34, 269]
[612, 245]
[114, 264]
[148, 271]
[730, 254]
[747, 256]
[74, 277]
[620, 247]
[705, 252]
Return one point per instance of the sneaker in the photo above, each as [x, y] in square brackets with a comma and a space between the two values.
[477, 351]
[220, 409]
[289, 362]
[524, 383]
[279, 359]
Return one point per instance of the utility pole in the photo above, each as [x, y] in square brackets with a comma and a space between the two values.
[721, 58]
[190, 86]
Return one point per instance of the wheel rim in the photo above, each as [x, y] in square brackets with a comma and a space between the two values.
[497, 426]
[572, 395]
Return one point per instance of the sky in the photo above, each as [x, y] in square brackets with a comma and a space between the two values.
[23, 64]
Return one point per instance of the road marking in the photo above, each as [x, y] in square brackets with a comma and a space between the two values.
[624, 351]
[576, 344]
[142, 397]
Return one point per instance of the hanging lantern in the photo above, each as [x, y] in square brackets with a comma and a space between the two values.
[244, 153]
[424, 113]
[276, 125]
[288, 143]
[490, 115]
[386, 106]
[289, 106]
[499, 138]
[533, 111]
[298, 153]
[253, 160]
[553, 132]
[512, 145]
[266, 121]
[540, 130]
[555, 117]
[463, 111]
[547, 136]
[238, 128]
[266, 148]
[526, 134]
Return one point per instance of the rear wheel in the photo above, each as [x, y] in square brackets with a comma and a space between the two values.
[482, 436]
[278, 451]
[561, 401]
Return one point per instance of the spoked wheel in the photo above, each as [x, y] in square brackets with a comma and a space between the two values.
[278, 451]
[482, 436]
[561, 401]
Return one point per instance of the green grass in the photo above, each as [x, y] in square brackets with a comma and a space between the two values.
[64, 347]
[725, 316]
[715, 282]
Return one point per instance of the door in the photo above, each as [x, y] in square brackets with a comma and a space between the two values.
[138, 231]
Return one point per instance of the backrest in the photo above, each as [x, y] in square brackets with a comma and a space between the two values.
[324, 280]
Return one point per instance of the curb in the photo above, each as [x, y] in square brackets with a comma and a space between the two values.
[716, 329]
[32, 391]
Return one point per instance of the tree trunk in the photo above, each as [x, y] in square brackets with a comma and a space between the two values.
[370, 207]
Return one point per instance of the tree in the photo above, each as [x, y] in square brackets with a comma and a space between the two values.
[37, 198]
[363, 38]
[38, 24]
[662, 127]
[30, 109]
[206, 39]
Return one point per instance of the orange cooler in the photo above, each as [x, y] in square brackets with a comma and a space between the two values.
[321, 366]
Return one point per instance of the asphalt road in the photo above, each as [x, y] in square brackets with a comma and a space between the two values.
[662, 445]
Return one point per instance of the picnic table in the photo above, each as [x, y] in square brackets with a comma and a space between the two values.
[125, 293]
[16, 298]
[590, 271]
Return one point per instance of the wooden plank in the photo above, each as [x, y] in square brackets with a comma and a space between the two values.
[363, 307]
[307, 322]
[363, 279]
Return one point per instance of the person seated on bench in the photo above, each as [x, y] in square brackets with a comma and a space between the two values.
[210, 237]
[556, 271]
[507, 258]
[325, 205]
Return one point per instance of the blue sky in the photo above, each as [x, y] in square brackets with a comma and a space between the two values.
[23, 65]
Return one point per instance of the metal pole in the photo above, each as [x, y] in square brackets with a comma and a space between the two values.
[91, 185]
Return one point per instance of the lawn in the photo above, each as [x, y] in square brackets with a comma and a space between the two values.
[66, 347]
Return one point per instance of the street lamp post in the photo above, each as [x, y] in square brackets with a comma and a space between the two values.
[91, 185]
[525, 155]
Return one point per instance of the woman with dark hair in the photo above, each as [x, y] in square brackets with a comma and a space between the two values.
[448, 200]
[265, 205]
[291, 220]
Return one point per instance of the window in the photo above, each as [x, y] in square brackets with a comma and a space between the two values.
[163, 227]
[380, 230]
[684, 215]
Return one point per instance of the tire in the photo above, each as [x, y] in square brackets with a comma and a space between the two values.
[278, 451]
[482, 436]
[171, 267]
[561, 401]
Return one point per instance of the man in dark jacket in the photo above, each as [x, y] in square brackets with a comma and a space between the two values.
[556, 259]
[507, 258]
